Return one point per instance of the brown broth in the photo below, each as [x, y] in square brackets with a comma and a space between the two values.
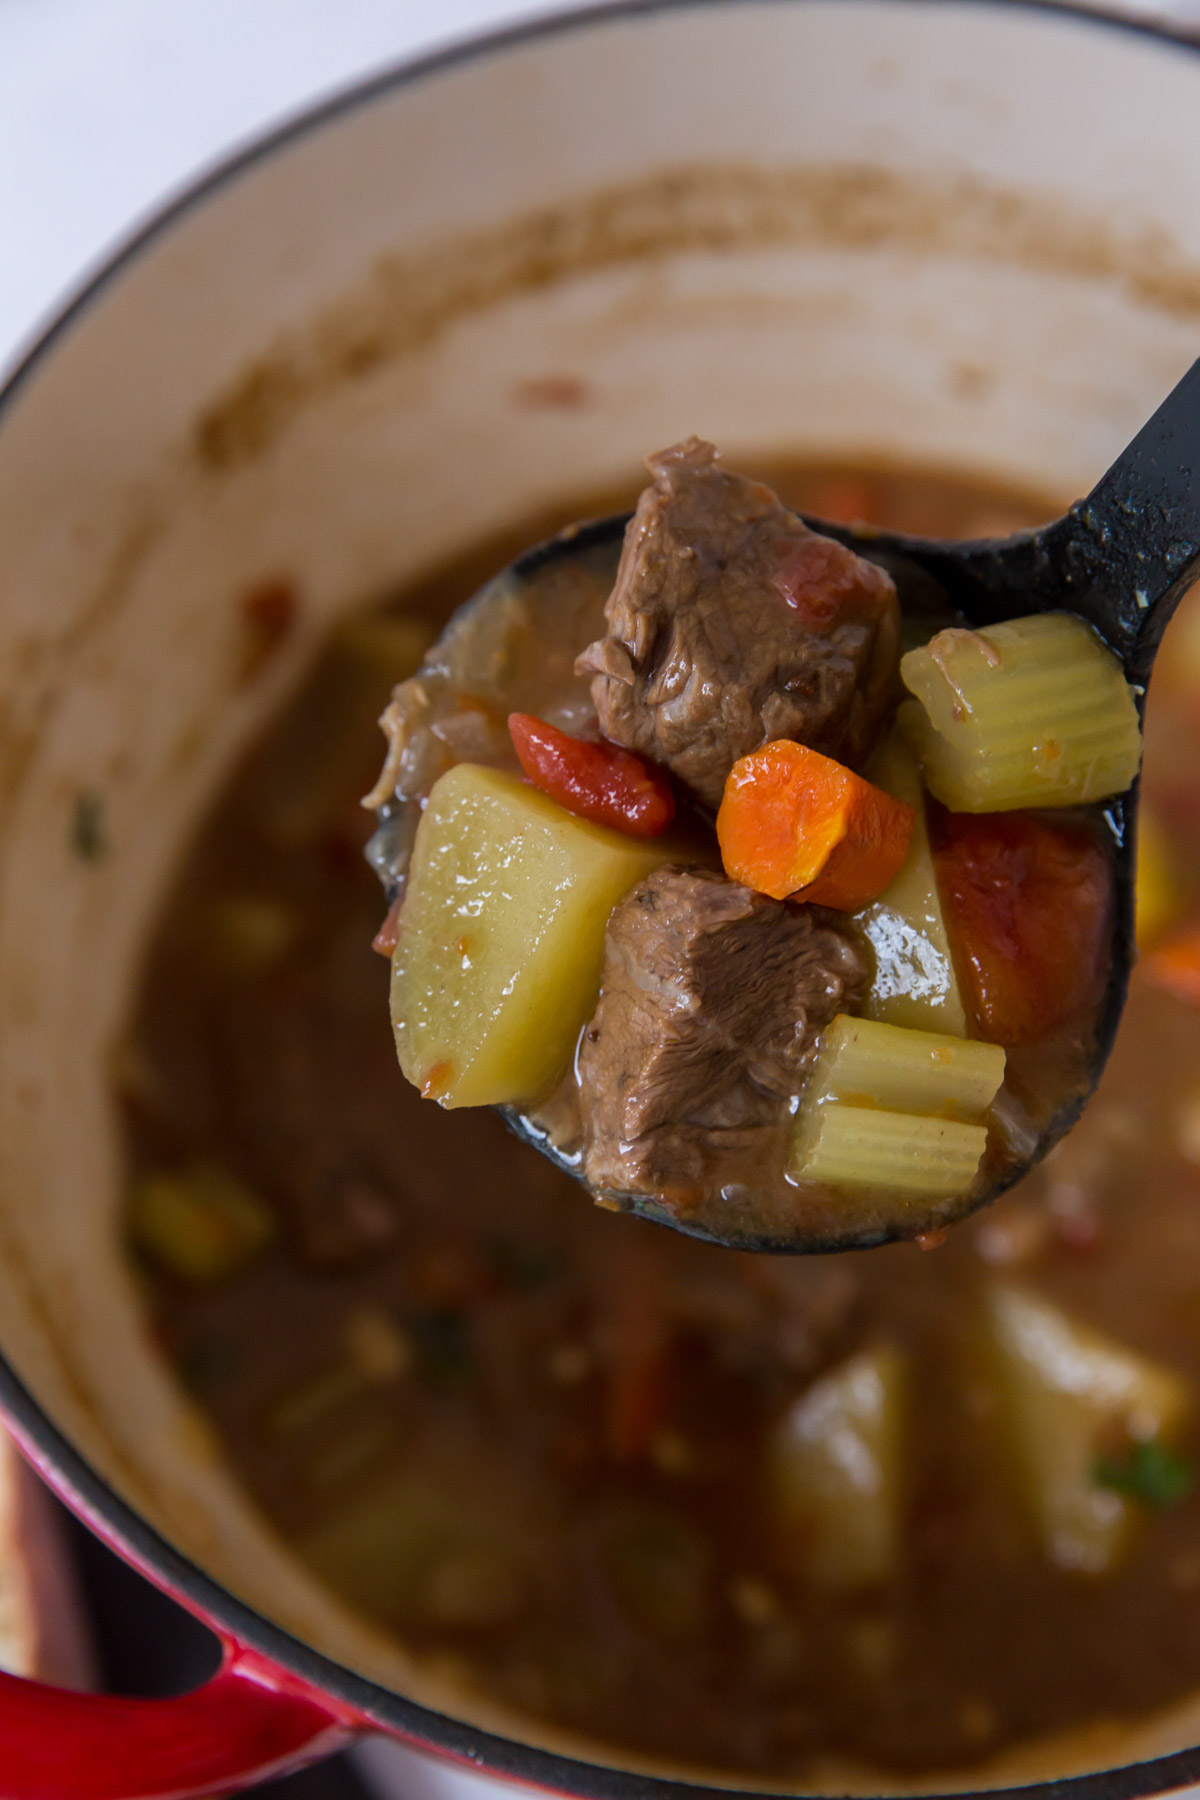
[553, 1477]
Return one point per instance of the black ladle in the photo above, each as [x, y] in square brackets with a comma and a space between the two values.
[1120, 559]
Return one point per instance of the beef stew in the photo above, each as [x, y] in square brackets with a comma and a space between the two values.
[608, 1476]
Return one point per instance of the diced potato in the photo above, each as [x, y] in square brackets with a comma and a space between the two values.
[1072, 1394]
[835, 1473]
[915, 983]
[426, 1547]
[1034, 712]
[201, 1224]
[501, 942]
[858, 1146]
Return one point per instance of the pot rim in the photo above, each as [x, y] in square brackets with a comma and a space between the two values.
[71, 1475]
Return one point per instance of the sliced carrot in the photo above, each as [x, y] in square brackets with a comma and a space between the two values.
[797, 825]
[1175, 965]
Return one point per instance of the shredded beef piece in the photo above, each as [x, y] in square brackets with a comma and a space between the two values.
[712, 1000]
[732, 624]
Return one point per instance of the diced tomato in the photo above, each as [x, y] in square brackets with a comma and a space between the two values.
[600, 782]
[1028, 907]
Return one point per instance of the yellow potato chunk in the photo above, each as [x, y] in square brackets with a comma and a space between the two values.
[835, 1467]
[1074, 1398]
[498, 958]
[915, 984]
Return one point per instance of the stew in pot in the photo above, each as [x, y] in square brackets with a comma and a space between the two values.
[732, 1510]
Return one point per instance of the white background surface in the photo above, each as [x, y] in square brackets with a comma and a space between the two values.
[109, 106]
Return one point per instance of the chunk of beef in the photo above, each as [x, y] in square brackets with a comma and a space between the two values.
[712, 1000]
[731, 624]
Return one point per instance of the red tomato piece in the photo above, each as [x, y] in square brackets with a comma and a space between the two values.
[599, 782]
[1028, 906]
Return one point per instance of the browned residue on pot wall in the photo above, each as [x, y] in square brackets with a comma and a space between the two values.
[410, 299]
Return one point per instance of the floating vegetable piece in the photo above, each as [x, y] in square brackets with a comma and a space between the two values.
[501, 941]
[1028, 905]
[384, 646]
[660, 1569]
[1082, 1408]
[1150, 1472]
[796, 825]
[1175, 965]
[868, 1063]
[885, 1107]
[1033, 712]
[249, 934]
[915, 981]
[600, 782]
[200, 1224]
[835, 1473]
[1159, 896]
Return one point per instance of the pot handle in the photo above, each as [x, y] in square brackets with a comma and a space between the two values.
[250, 1721]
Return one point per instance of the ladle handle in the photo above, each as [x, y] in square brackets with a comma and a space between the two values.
[1130, 550]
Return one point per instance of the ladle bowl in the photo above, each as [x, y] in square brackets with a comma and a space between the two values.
[1120, 560]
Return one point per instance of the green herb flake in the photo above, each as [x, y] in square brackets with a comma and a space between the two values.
[89, 835]
[1148, 1472]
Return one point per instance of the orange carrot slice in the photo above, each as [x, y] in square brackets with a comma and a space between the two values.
[798, 826]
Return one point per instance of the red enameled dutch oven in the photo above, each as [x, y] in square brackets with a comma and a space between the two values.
[966, 234]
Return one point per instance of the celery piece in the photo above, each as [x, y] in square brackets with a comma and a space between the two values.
[200, 1224]
[835, 1473]
[1034, 712]
[915, 983]
[867, 1063]
[1071, 1395]
[859, 1146]
[501, 941]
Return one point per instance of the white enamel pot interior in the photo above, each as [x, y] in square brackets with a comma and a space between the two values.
[963, 234]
